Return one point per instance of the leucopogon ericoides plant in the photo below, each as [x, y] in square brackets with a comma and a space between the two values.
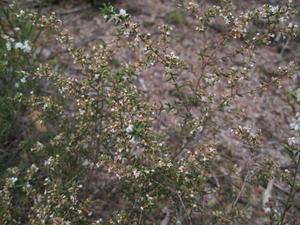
[103, 125]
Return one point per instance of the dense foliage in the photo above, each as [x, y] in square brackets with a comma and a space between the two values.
[59, 132]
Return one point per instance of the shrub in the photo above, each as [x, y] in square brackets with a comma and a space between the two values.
[102, 125]
[17, 59]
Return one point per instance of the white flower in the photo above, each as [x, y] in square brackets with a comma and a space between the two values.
[290, 1]
[204, 159]
[295, 124]
[122, 12]
[5, 37]
[227, 21]
[292, 141]
[13, 179]
[24, 47]
[21, 13]
[267, 209]
[129, 128]
[45, 106]
[34, 168]
[136, 173]
[39, 145]
[49, 161]
[8, 46]
[274, 9]
[19, 45]
[23, 80]
[282, 19]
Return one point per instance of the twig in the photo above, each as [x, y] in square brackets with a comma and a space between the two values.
[184, 208]
[239, 194]
[286, 46]
[267, 193]
[215, 177]
[292, 191]
[166, 219]
[180, 199]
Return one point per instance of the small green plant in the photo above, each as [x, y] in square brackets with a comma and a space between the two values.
[177, 16]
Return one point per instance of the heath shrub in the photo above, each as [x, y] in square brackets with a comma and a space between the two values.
[99, 125]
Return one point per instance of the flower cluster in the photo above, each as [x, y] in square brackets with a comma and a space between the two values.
[11, 43]
[112, 14]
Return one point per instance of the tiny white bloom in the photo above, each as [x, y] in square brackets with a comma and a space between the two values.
[34, 168]
[295, 124]
[18, 45]
[11, 181]
[8, 46]
[23, 80]
[26, 46]
[81, 111]
[129, 128]
[274, 9]
[122, 12]
[292, 141]
[267, 209]
[45, 106]
[205, 159]
[282, 19]
[136, 173]
[5, 37]
[39, 144]
[48, 161]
